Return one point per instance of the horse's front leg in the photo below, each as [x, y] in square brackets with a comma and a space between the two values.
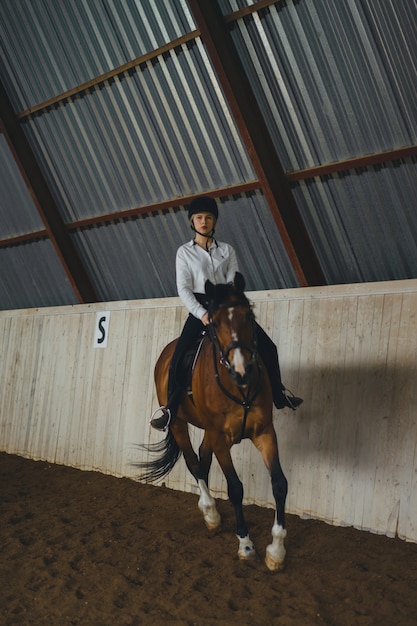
[207, 503]
[275, 552]
[246, 548]
[207, 506]
[199, 468]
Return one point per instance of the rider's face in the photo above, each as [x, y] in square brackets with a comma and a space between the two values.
[204, 222]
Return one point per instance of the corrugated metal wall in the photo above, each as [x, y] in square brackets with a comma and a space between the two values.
[337, 80]
[334, 80]
[50, 47]
[349, 452]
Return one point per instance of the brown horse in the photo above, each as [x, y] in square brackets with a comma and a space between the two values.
[231, 400]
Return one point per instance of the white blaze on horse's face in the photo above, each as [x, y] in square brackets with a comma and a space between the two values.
[238, 362]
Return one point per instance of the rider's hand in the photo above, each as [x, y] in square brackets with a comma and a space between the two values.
[205, 319]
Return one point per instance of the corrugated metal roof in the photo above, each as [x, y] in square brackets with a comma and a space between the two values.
[18, 214]
[160, 132]
[333, 80]
[31, 275]
[49, 47]
[364, 222]
[326, 75]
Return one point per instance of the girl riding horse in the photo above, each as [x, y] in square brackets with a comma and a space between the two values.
[205, 258]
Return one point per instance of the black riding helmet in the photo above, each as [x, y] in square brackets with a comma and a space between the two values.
[203, 204]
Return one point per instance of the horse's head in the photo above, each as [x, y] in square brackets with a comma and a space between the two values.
[232, 328]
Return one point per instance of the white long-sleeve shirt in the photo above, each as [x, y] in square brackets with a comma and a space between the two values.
[195, 265]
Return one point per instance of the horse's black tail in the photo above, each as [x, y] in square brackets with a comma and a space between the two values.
[169, 452]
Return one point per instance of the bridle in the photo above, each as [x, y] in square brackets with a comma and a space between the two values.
[246, 397]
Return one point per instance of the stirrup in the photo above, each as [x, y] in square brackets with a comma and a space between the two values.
[293, 401]
[159, 423]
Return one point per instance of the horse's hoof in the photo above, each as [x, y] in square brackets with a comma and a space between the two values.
[247, 556]
[275, 558]
[211, 517]
[213, 525]
[272, 564]
[246, 550]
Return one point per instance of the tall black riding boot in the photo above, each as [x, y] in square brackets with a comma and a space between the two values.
[282, 397]
[269, 353]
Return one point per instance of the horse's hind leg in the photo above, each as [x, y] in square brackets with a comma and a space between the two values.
[275, 552]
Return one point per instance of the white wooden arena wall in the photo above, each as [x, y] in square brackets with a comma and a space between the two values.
[350, 351]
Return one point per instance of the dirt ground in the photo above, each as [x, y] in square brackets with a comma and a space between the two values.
[86, 549]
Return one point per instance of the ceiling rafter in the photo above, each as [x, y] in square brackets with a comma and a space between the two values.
[378, 158]
[252, 8]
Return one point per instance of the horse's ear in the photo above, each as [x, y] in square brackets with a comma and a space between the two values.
[209, 289]
[239, 282]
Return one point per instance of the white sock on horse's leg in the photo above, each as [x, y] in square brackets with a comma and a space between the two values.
[275, 552]
[207, 506]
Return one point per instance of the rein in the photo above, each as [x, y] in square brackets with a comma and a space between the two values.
[245, 401]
